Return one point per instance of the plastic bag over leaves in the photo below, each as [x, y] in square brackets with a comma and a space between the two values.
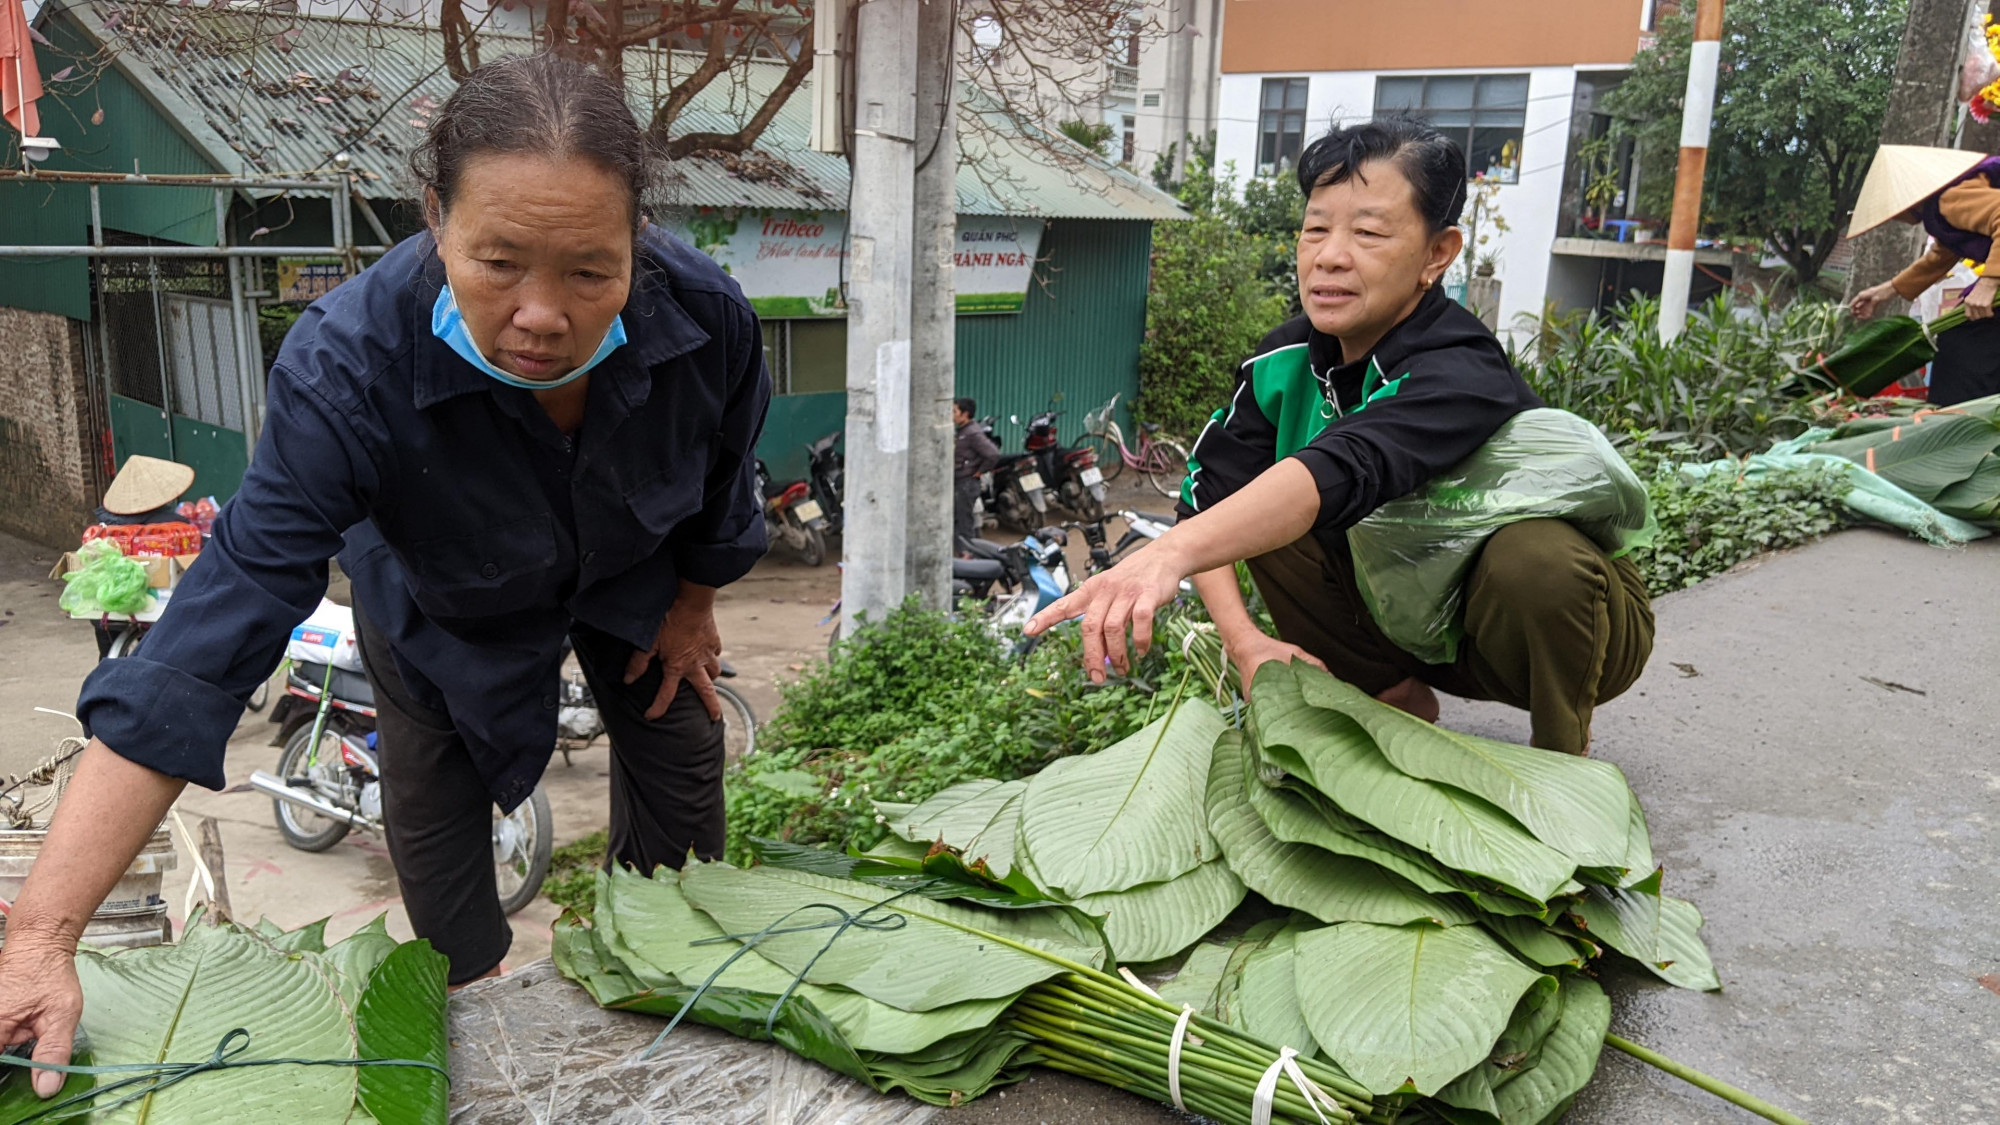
[105, 582]
[1412, 555]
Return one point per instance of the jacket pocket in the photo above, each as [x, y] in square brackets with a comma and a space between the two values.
[490, 571]
[660, 503]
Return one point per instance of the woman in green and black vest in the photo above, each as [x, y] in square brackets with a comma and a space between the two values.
[1380, 386]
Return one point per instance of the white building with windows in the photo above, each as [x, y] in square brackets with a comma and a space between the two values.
[1519, 93]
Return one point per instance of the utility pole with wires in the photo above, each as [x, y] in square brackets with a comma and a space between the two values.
[1697, 114]
[934, 310]
[880, 244]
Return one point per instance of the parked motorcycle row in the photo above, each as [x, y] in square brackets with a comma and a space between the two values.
[1020, 494]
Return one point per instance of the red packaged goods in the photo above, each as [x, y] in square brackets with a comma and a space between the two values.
[163, 539]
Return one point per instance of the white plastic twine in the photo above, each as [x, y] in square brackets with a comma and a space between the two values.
[1267, 1089]
[200, 868]
[1174, 1057]
[1196, 629]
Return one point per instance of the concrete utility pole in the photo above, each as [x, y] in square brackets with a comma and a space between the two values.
[1922, 110]
[878, 310]
[933, 313]
[1697, 114]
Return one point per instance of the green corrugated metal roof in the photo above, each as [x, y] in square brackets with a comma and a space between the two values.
[268, 93]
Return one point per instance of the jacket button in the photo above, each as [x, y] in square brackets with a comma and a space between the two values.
[588, 556]
[489, 571]
[548, 703]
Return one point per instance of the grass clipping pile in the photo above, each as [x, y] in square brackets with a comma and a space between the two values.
[1432, 905]
[241, 1026]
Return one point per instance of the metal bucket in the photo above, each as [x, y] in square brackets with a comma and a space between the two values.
[133, 914]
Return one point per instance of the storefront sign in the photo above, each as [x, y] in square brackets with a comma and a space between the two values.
[791, 263]
[306, 280]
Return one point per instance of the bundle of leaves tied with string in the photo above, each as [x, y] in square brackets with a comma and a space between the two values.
[1336, 913]
[235, 1025]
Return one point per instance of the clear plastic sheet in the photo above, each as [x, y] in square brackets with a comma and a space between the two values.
[531, 1047]
[1413, 554]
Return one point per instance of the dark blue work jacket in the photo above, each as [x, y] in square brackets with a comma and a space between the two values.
[474, 532]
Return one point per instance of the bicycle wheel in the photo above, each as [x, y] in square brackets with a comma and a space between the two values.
[739, 725]
[1110, 461]
[1165, 464]
[523, 841]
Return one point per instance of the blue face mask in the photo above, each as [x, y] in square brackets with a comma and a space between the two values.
[448, 324]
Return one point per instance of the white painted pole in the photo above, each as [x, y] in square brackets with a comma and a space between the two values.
[1697, 114]
[878, 311]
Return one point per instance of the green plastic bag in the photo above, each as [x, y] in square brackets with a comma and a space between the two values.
[107, 582]
[1413, 554]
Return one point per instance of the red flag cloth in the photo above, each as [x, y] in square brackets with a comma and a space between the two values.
[17, 68]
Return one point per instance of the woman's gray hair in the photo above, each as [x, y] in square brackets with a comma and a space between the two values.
[542, 105]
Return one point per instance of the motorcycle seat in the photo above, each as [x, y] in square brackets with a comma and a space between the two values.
[977, 570]
[348, 687]
[728, 670]
[983, 548]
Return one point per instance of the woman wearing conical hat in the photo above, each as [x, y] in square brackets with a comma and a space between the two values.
[1955, 197]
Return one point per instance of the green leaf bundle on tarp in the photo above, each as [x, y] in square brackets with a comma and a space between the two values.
[1412, 555]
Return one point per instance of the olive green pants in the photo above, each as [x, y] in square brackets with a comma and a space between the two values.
[1552, 626]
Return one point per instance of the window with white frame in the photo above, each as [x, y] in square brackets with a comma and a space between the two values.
[1486, 114]
[1281, 123]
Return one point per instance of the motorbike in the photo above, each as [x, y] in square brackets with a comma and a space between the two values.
[1010, 582]
[824, 471]
[1014, 492]
[1071, 472]
[329, 778]
[792, 516]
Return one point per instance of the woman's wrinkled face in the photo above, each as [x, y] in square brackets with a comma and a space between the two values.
[1366, 252]
[539, 255]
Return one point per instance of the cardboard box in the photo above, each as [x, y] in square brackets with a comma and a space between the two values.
[162, 573]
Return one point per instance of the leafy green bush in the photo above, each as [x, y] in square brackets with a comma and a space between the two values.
[1712, 523]
[914, 705]
[1729, 385]
[1205, 311]
[572, 878]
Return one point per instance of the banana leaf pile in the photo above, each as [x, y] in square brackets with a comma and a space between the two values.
[240, 1026]
[1947, 457]
[1422, 909]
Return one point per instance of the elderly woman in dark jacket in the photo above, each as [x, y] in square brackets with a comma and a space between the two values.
[534, 422]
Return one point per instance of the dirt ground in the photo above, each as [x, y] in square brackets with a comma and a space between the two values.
[773, 623]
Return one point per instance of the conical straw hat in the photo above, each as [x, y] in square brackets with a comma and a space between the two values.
[146, 483]
[1902, 177]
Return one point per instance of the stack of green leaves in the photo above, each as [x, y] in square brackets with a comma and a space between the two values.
[1948, 458]
[293, 997]
[1436, 896]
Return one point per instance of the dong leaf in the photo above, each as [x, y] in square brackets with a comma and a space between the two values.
[976, 817]
[648, 926]
[1578, 806]
[1330, 887]
[1658, 931]
[402, 1016]
[941, 953]
[1567, 1059]
[1536, 943]
[1407, 1008]
[1341, 761]
[1267, 998]
[175, 1003]
[355, 957]
[1156, 920]
[1128, 815]
[1922, 458]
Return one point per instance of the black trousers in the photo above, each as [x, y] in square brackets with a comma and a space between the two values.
[666, 795]
[964, 521]
[1967, 364]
